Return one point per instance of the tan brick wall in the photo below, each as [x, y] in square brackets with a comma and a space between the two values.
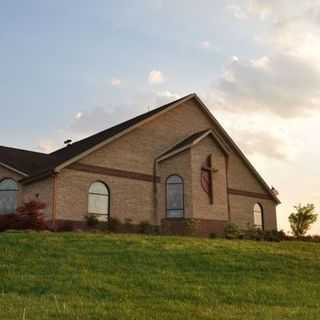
[129, 198]
[44, 190]
[242, 211]
[28, 192]
[177, 165]
[202, 208]
[136, 151]
[240, 177]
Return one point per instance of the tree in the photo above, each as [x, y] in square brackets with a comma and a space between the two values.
[302, 219]
[30, 216]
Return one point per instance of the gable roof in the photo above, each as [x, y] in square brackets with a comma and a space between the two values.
[190, 141]
[43, 165]
[23, 162]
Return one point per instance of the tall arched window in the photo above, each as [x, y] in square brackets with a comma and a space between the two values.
[174, 193]
[258, 216]
[99, 201]
[8, 196]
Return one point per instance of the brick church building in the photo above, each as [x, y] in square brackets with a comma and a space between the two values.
[170, 164]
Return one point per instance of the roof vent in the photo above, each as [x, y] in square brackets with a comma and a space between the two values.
[274, 191]
[68, 142]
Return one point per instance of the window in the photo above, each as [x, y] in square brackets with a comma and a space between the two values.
[258, 216]
[8, 196]
[174, 192]
[99, 200]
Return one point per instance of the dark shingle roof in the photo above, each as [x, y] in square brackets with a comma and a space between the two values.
[186, 142]
[23, 160]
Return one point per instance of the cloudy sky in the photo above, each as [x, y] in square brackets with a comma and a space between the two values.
[70, 68]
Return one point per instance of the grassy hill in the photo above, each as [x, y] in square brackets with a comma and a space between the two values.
[96, 276]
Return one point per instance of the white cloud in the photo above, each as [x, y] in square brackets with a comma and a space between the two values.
[237, 11]
[209, 46]
[286, 81]
[234, 59]
[78, 115]
[263, 142]
[115, 82]
[164, 97]
[205, 44]
[255, 138]
[281, 84]
[48, 145]
[261, 63]
[156, 77]
[168, 94]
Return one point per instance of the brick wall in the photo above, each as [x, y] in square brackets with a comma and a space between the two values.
[137, 151]
[129, 199]
[242, 211]
[40, 190]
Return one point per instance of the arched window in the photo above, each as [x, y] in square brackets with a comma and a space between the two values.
[99, 200]
[174, 192]
[8, 196]
[258, 216]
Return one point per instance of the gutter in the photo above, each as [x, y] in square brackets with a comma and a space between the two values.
[37, 177]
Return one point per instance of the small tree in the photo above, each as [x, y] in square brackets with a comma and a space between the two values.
[30, 216]
[302, 219]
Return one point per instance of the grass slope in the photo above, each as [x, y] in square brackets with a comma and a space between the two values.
[96, 276]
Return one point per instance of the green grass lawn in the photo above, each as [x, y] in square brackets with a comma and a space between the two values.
[97, 276]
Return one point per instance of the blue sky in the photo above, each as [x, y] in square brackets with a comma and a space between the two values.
[70, 68]
[58, 56]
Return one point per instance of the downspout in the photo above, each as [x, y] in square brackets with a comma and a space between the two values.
[54, 201]
[155, 192]
[228, 197]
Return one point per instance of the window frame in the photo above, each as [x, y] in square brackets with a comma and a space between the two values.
[166, 197]
[262, 216]
[100, 194]
[16, 190]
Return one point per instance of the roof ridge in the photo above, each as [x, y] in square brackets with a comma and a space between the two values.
[185, 142]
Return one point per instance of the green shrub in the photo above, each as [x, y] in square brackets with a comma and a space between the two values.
[316, 238]
[144, 227]
[64, 226]
[212, 235]
[302, 219]
[232, 231]
[114, 225]
[128, 226]
[191, 227]
[272, 235]
[253, 233]
[91, 220]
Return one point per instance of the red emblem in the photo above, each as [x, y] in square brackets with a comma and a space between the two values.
[205, 181]
[207, 171]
